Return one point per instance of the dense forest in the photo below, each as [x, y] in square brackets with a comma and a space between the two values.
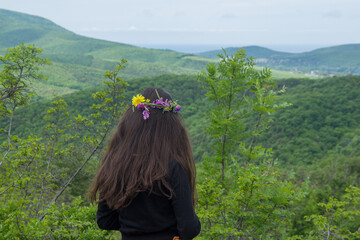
[277, 153]
[290, 169]
[323, 117]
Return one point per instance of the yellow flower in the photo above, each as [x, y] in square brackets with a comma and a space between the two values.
[138, 99]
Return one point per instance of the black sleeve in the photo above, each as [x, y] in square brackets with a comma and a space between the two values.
[107, 218]
[188, 223]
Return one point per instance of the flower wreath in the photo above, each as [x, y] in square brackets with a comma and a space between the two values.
[144, 105]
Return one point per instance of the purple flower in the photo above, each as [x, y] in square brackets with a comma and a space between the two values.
[140, 106]
[178, 108]
[146, 114]
[159, 101]
[167, 103]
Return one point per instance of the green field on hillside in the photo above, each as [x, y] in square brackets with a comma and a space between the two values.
[79, 62]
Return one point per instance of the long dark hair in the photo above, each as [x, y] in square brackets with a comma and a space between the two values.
[139, 154]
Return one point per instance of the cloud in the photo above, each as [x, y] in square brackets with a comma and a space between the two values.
[228, 16]
[179, 14]
[148, 13]
[98, 29]
[174, 30]
[333, 14]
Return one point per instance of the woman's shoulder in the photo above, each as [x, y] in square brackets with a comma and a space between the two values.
[177, 172]
[175, 166]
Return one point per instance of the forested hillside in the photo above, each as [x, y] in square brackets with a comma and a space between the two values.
[324, 115]
[78, 62]
[336, 60]
[254, 51]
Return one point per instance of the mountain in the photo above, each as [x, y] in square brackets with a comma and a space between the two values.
[254, 51]
[79, 62]
[344, 59]
[18, 27]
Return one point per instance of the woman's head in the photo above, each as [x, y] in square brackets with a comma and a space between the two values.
[139, 152]
[151, 99]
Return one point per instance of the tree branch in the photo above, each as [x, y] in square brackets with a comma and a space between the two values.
[77, 171]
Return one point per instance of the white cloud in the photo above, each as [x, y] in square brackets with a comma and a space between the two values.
[333, 14]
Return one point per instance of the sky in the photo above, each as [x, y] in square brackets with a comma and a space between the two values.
[287, 25]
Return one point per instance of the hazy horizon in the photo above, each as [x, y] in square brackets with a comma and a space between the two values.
[291, 26]
[196, 48]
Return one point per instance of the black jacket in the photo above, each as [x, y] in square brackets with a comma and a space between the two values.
[154, 216]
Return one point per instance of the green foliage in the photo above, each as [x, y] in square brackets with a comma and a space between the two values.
[244, 198]
[36, 172]
[72, 220]
[323, 112]
[296, 135]
[340, 218]
[329, 177]
[21, 65]
[254, 204]
[238, 91]
[30, 119]
[49, 156]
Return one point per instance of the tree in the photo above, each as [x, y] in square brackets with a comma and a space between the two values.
[36, 171]
[339, 219]
[241, 195]
[21, 66]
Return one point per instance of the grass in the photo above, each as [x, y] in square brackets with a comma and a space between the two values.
[79, 62]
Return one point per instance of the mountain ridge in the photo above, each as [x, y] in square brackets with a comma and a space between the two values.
[344, 59]
[28, 19]
[78, 61]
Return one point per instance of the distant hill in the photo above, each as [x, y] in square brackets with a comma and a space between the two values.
[254, 51]
[323, 120]
[79, 62]
[343, 59]
[18, 27]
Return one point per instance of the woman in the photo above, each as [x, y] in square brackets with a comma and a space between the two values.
[146, 180]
